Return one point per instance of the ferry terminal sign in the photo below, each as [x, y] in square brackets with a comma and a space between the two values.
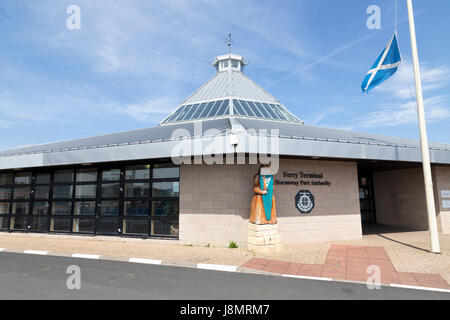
[304, 201]
[302, 179]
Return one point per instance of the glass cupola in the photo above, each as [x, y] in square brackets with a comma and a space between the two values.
[231, 62]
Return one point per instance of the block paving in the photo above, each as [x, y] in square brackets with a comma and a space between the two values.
[349, 262]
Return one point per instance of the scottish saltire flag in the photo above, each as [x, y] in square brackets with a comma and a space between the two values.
[385, 66]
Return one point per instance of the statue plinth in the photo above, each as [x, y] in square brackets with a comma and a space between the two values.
[264, 238]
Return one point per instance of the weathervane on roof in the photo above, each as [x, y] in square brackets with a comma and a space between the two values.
[229, 42]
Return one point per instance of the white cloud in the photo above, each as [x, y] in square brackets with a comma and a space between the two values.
[405, 113]
[402, 85]
[107, 56]
[317, 118]
[150, 111]
[7, 124]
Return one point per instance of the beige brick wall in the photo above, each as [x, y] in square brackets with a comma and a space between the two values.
[441, 177]
[215, 203]
[400, 198]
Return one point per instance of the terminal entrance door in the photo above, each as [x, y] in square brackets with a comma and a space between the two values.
[366, 199]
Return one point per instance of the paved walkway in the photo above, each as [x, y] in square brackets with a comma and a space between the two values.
[346, 262]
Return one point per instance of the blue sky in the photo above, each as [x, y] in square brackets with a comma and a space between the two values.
[132, 62]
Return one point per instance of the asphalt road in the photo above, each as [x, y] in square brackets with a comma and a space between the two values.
[25, 276]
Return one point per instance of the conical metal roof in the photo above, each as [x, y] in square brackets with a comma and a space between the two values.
[230, 93]
[230, 84]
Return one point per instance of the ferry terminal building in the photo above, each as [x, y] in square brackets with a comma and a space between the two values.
[330, 185]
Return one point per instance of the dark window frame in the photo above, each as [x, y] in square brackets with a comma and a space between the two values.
[97, 217]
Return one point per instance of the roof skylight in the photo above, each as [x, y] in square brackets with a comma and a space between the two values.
[230, 93]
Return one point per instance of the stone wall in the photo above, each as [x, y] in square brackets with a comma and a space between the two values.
[215, 203]
[441, 177]
[400, 198]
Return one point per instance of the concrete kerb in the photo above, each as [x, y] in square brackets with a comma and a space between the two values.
[210, 267]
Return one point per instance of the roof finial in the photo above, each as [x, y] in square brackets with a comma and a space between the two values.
[229, 42]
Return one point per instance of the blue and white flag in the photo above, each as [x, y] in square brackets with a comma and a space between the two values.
[385, 66]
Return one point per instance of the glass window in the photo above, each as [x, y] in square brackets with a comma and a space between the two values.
[86, 191]
[225, 64]
[39, 224]
[165, 208]
[43, 178]
[108, 225]
[110, 190]
[182, 114]
[20, 208]
[223, 108]
[4, 223]
[19, 223]
[6, 179]
[238, 108]
[109, 208]
[165, 189]
[84, 208]
[135, 190]
[247, 109]
[21, 193]
[262, 110]
[86, 175]
[254, 109]
[137, 172]
[165, 228]
[235, 63]
[61, 224]
[135, 226]
[63, 176]
[111, 175]
[289, 116]
[22, 178]
[365, 205]
[4, 208]
[206, 111]
[270, 111]
[199, 111]
[40, 208]
[83, 225]
[62, 208]
[136, 208]
[214, 109]
[283, 112]
[74, 207]
[62, 192]
[162, 172]
[41, 192]
[5, 193]
[174, 115]
[279, 114]
[191, 112]
[227, 111]
[259, 110]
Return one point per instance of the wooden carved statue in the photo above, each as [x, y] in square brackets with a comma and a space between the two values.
[263, 202]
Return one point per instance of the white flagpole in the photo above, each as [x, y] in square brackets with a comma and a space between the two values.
[429, 194]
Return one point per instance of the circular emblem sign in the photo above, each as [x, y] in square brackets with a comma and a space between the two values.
[304, 201]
